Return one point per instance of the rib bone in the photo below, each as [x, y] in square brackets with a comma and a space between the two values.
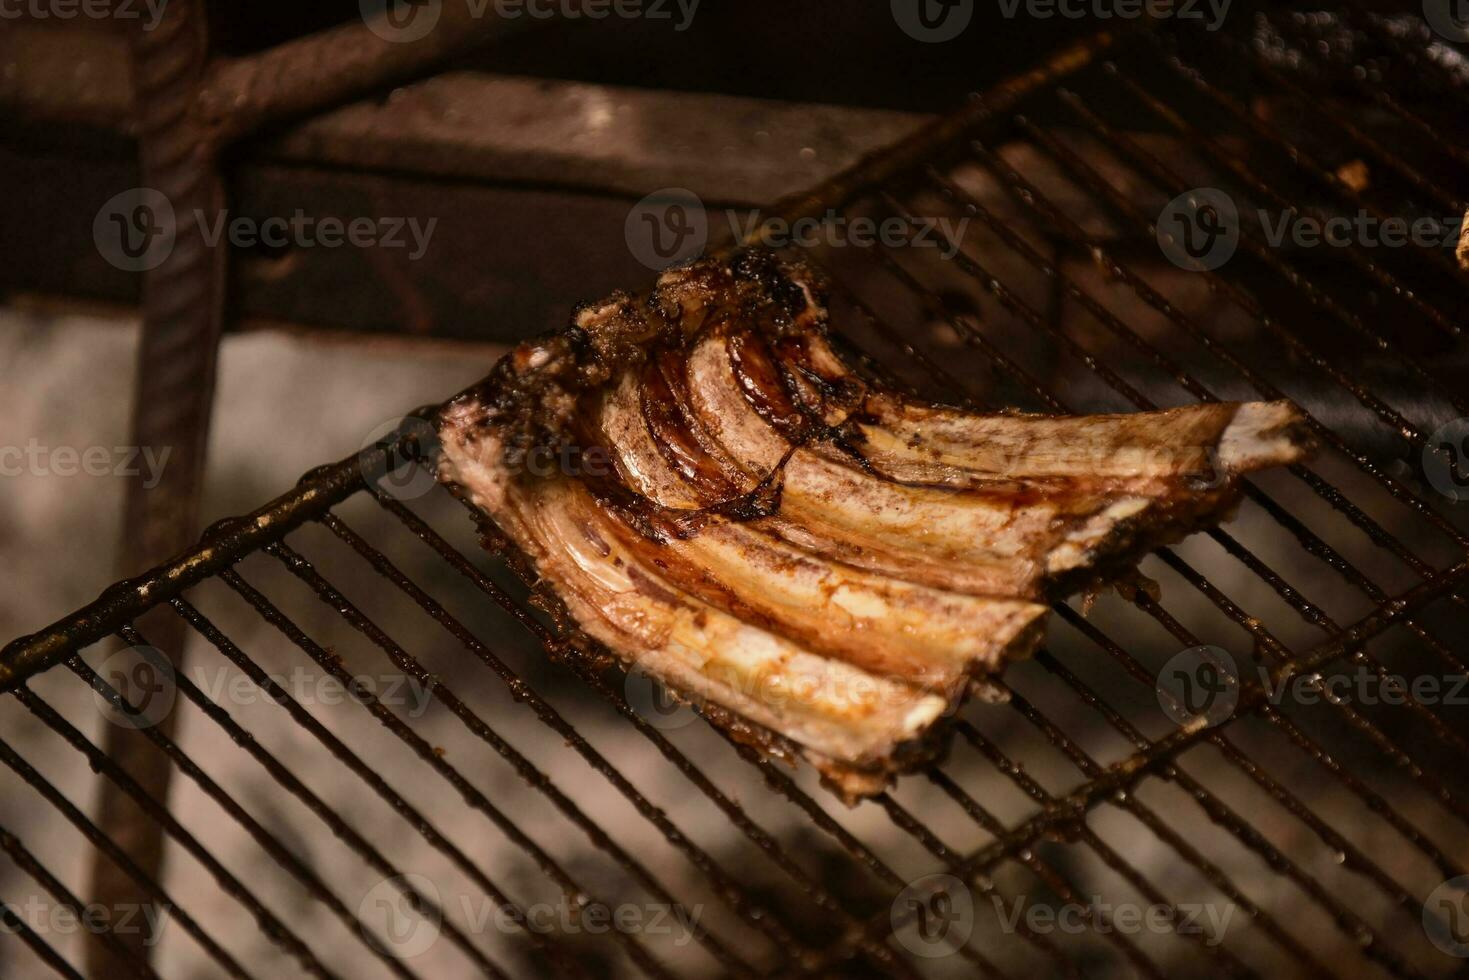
[821, 563]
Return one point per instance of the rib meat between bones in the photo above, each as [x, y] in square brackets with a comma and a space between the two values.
[716, 497]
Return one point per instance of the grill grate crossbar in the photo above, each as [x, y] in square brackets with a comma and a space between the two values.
[1032, 317]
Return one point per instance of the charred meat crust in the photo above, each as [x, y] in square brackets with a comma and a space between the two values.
[766, 515]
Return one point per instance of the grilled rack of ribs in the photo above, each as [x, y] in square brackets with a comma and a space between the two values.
[822, 565]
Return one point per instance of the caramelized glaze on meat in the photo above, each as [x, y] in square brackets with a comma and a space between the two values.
[810, 557]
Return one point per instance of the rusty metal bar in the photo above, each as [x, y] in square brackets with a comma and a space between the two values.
[1309, 612]
[1231, 162]
[1032, 317]
[323, 70]
[107, 846]
[938, 136]
[1035, 320]
[340, 829]
[43, 950]
[425, 751]
[1122, 775]
[339, 750]
[725, 885]
[130, 959]
[589, 675]
[183, 319]
[269, 923]
[1032, 198]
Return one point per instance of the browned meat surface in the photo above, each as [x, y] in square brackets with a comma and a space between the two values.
[716, 497]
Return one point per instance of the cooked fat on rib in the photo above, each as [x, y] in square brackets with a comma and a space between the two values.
[821, 563]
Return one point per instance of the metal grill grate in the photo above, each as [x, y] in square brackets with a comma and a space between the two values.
[1322, 825]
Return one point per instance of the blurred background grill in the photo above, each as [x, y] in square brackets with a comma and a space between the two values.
[271, 813]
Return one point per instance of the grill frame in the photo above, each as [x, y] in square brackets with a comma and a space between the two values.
[312, 501]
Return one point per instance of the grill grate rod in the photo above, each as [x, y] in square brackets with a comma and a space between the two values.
[108, 846]
[724, 884]
[269, 924]
[1033, 199]
[1234, 612]
[1238, 615]
[471, 795]
[914, 827]
[16, 926]
[1221, 813]
[1160, 754]
[1145, 815]
[278, 852]
[1168, 178]
[1328, 111]
[1425, 129]
[410, 814]
[1084, 834]
[340, 829]
[954, 861]
[762, 839]
[1085, 172]
[130, 959]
